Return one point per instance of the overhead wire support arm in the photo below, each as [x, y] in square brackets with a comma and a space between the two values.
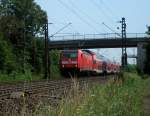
[111, 29]
[61, 29]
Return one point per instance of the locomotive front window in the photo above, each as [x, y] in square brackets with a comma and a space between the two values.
[70, 55]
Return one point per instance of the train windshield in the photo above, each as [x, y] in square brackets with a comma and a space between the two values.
[69, 54]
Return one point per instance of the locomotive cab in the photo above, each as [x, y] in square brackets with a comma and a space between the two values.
[69, 61]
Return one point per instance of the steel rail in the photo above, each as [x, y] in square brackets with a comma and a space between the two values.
[38, 87]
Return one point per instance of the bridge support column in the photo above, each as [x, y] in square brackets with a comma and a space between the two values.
[140, 56]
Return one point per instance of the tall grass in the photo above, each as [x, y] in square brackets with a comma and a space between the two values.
[119, 99]
[69, 104]
[146, 86]
[113, 99]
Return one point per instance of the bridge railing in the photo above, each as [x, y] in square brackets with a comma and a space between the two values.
[96, 36]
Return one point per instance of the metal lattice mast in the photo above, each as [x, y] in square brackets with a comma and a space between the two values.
[124, 43]
[46, 60]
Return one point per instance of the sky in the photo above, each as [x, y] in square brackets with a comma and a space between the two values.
[88, 16]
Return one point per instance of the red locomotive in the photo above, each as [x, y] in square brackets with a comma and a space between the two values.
[79, 61]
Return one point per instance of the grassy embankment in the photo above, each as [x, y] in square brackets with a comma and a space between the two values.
[14, 77]
[119, 98]
[28, 76]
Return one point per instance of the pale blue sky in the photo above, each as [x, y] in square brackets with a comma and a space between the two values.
[87, 16]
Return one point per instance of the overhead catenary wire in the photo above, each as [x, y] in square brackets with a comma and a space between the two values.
[77, 15]
[56, 23]
[71, 9]
[74, 29]
[111, 29]
[102, 11]
[85, 14]
[60, 29]
[109, 9]
[110, 19]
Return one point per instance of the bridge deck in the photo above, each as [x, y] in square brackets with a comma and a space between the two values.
[96, 41]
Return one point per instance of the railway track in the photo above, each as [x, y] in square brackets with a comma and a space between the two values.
[12, 94]
[37, 87]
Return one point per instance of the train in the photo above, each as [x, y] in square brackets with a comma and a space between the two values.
[85, 61]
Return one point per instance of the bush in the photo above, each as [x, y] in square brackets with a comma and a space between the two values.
[54, 57]
[18, 76]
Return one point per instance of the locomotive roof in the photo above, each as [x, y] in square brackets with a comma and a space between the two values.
[72, 50]
[102, 58]
[88, 51]
[69, 50]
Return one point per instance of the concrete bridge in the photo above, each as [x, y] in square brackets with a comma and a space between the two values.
[110, 40]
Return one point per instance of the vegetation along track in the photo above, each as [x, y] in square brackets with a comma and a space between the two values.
[9, 91]
[13, 96]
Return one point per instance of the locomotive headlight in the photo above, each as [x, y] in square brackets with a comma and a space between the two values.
[76, 65]
[63, 66]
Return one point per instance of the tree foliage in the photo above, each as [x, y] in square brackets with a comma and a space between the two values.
[6, 56]
[21, 47]
[20, 23]
[148, 30]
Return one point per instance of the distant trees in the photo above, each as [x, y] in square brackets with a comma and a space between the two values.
[147, 61]
[148, 30]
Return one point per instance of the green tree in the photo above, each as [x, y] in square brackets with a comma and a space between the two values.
[21, 21]
[148, 30]
[6, 56]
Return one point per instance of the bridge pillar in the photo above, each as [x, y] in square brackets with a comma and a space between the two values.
[141, 56]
